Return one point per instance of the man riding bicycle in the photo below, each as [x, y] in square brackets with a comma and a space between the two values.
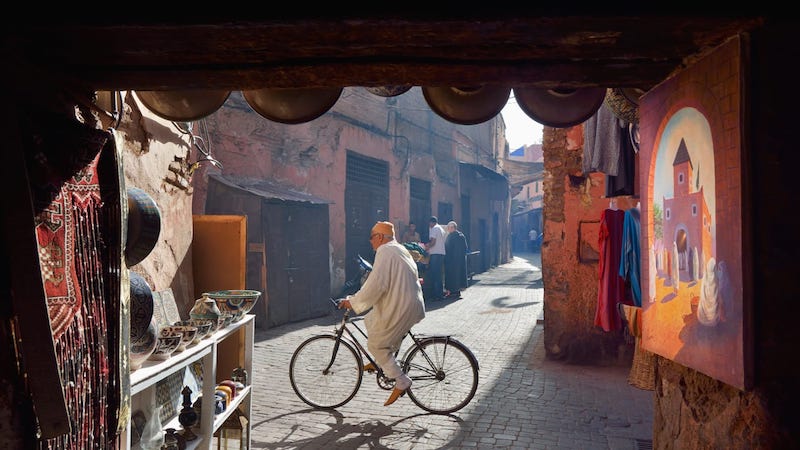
[394, 293]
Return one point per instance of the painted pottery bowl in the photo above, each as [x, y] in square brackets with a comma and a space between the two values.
[141, 306]
[236, 302]
[168, 342]
[203, 328]
[225, 320]
[187, 332]
[142, 349]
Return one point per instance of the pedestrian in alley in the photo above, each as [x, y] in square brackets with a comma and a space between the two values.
[411, 235]
[394, 294]
[433, 285]
[455, 261]
[532, 236]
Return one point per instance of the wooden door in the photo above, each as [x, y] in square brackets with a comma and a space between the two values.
[218, 252]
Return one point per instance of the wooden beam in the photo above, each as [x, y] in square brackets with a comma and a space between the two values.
[237, 54]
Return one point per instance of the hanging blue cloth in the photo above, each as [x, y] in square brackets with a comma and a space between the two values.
[630, 260]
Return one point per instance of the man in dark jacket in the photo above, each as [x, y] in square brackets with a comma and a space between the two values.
[455, 261]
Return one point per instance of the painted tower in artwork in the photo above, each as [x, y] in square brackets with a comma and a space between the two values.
[686, 219]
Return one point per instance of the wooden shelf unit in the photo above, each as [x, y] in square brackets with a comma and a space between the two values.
[218, 354]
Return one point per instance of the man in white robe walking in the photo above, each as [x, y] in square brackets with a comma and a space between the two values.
[394, 294]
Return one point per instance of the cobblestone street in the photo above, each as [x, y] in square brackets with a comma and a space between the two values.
[524, 401]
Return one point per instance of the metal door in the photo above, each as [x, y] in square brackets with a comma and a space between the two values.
[445, 213]
[366, 201]
[420, 206]
[298, 277]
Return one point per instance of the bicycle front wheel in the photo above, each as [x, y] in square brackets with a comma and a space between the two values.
[444, 375]
[321, 378]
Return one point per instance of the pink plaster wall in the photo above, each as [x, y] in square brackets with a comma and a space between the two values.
[156, 158]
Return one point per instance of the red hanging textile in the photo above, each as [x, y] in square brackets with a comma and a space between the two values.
[611, 287]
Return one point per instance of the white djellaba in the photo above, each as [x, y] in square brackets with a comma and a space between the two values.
[676, 276]
[652, 277]
[709, 307]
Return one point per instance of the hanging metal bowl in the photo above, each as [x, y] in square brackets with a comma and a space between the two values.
[292, 105]
[388, 91]
[186, 105]
[467, 105]
[560, 108]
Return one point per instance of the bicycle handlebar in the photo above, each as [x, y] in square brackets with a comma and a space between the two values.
[336, 301]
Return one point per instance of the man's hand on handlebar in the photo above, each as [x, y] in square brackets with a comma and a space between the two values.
[344, 303]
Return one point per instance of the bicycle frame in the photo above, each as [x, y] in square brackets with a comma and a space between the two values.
[340, 330]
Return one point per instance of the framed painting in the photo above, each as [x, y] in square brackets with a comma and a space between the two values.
[695, 267]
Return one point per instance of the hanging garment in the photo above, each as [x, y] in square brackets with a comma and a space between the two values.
[630, 260]
[611, 287]
[602, 140]
[623, 183]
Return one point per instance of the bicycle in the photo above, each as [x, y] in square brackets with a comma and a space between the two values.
[326, 370]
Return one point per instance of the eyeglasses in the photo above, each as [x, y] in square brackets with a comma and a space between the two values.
[373, 236]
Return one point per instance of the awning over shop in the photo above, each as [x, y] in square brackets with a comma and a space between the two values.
[484, 171]
[267, 189]
[520, 173]
[498, 183]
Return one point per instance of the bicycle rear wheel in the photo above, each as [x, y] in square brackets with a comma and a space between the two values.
[316, 380]
[444, 375]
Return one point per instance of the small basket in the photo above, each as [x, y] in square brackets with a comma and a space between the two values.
[624, 103]
[642, 374]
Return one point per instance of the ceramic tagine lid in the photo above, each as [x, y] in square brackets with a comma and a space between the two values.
[206, 308]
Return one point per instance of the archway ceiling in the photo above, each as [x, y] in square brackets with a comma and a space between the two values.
[546, 50]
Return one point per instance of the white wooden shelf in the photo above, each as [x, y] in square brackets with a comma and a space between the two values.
[153, 371]
[220, 418]
[206, 352]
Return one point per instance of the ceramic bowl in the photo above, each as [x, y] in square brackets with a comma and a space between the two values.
[225, 319]
[203, 327]
[144, 347]
[187, 332]
[206, 327]
[236, 302]
[168, 342]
